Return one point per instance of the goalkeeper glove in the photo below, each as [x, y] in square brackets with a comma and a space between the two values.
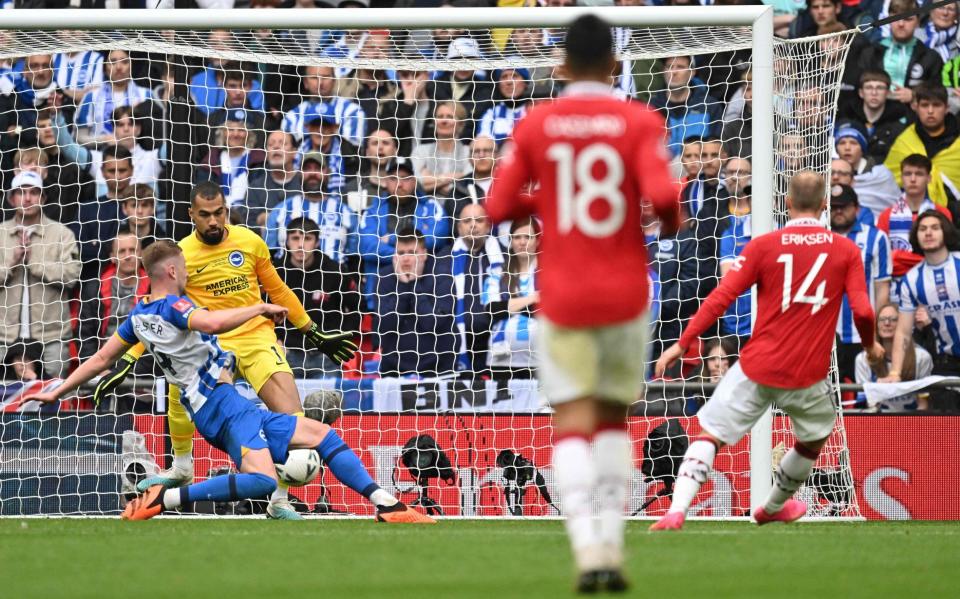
[112, 379]
[339, 346]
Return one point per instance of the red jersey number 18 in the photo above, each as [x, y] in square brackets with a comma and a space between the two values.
[818, 300]
[577, 188]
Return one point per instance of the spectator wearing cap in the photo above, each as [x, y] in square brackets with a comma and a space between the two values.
[39, 267]
[337, 232]
[439, 164]
[320, 88]
[510, 102]
[232, 158]
[106, 301]
[323, 135]
[329, 295]
[94, 118]
[875, 185]
[877, 264]
[414, 303]
[275, 180]
[404, 206]
[99, 221]
[883, 119]
[464, 83]
[472, 188]
[935, 134]
[381, 149]
[897, 220]
[685, 103]
[409, 115]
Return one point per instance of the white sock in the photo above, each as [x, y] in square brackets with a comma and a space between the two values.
[576, 477]
[792, 471]
[183, 463]
[613, 459]
[171, 499]
[280, 494]
[382, 498]
[696, 466]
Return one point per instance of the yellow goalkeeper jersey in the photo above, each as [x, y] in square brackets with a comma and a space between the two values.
[231, 275]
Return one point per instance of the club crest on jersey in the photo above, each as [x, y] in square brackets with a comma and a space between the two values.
[236, 258]
[738, 262]
[181, 305]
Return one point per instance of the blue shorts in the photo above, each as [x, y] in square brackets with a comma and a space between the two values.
[232, 424]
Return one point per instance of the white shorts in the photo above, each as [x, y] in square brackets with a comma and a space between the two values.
[605, 362]
[737, 404]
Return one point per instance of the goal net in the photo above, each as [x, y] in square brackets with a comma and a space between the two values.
[332, 146]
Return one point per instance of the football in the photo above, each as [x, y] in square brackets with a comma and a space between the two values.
[301, 467]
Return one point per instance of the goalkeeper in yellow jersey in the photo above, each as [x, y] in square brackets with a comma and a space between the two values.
[226, 267]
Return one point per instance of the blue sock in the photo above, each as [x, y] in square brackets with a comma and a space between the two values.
[231, 487]
[345, 465]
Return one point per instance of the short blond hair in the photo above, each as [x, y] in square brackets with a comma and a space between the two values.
[159, 252]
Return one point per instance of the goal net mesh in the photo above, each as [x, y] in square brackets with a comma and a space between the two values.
[327, 144]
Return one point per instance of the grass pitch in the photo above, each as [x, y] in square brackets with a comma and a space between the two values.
[228, 559]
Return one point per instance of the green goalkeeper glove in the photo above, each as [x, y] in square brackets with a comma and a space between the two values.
[112, 379]
[339, 346]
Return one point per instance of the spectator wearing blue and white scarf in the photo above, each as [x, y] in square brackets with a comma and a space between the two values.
[477, 273]
[940, 31]
[511, 100]
[94, 116]
[231, 163]
[514, 333]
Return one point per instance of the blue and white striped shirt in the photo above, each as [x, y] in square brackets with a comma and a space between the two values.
[333, 159]
[499, 120]
[875, 251]
[190, 359]
[349, 116]
[78, 71]
[338, 225]
[96, 108]
[937, 287]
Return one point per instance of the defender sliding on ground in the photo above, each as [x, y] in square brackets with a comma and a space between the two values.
[183, 338]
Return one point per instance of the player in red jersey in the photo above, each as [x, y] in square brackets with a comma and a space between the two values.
[590, 158]
[801, 273]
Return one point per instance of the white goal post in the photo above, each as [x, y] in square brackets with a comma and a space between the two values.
[779, 72]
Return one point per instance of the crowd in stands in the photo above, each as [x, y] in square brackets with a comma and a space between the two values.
[368, 186]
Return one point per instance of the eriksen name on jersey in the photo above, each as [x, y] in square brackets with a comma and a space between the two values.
[806, 238]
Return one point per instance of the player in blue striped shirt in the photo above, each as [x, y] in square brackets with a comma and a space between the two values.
[934, 284]
[875, 250]
[183, 339]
